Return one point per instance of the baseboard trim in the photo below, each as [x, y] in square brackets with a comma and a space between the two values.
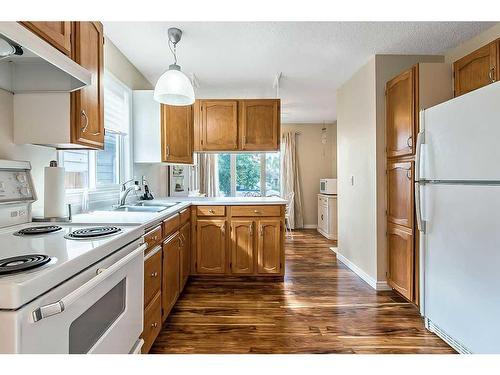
[310, 226]
[324, 234]
[377, 285]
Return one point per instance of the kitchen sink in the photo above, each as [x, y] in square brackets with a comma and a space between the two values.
[156, 204]
[132, 208]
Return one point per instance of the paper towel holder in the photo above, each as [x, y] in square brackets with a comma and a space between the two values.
[64, 219]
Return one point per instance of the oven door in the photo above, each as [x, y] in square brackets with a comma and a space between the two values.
[98, 311]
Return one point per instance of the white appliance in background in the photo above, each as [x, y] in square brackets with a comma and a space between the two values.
[458, 215]
[328, 186]
[179, 178]
[65, 288]
[327, 215]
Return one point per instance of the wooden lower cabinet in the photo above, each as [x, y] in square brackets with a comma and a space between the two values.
[269, 247]
[400, 249]
[242, 246]
[211, 246]
[152, 322]
[171, 273]
[185, 254]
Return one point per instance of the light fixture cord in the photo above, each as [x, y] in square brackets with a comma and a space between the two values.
[174, 50]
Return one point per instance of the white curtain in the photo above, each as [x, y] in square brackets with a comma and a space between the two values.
[290, 179]
[209, 176]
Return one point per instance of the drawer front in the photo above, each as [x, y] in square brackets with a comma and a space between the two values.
[255, 211]
[152, 276]
[211, 210]
[185, 215]
[152, 322]
[153, 238]
[171, 225]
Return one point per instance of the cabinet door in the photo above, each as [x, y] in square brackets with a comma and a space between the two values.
[177, 134]
[260, 124]
[211, 246]
[185, 260]
[242, 246]
[87, 104]
[170, 276]
[400, 249]
[400, 193]
[219, 125]
[323, 217]
[56, 33]
[400, 112]
[478, 69]
[269, 246]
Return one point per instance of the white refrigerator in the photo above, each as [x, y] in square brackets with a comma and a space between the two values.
[458, 215]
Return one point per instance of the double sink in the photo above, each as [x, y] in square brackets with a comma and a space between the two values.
[146, 206]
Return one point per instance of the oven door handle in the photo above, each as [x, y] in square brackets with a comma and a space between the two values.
[102, 274]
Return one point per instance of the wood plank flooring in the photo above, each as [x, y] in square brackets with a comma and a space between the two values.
[321, 307]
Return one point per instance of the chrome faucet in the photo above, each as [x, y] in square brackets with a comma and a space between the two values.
[126, 190]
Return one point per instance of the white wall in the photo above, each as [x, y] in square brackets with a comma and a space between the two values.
[472, 44]
[316, 160]
[39, 156]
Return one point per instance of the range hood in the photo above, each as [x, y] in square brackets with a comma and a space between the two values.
[36, 66]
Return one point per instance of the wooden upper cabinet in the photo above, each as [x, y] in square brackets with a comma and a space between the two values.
[177, 134]
[260, 124]
[56, 33]
[87, 104]
[242, 246]
[400, 112]
[478, 69]
[219, 125]
[211, 246]
[400, 193]
[170, 274]
[269, 246]
[400, 273]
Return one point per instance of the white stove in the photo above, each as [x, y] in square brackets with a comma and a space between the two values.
[65, 288]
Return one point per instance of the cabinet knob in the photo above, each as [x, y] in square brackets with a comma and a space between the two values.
[256, 211]
[154, 274]
[154, 325]
[211, 211]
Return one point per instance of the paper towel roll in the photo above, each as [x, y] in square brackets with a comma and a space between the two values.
[53, 205]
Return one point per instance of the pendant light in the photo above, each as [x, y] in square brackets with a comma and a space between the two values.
[174, 87]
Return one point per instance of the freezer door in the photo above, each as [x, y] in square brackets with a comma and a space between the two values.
[461, 263]
[462, 137]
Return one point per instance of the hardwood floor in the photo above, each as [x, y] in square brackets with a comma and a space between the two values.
[321, 307]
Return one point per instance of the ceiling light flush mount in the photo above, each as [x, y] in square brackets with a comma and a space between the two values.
[174, 87]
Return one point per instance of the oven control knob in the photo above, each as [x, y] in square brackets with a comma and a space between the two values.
[24, 191]
[21, 178]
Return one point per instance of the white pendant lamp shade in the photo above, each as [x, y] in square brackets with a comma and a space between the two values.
[174, 88]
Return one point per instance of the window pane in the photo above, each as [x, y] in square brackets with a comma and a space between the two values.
[107, 161]
[248, 175]
[76, 164]
[273, 174]
[224, 164]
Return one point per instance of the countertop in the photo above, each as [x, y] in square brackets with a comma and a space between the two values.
[150, 219]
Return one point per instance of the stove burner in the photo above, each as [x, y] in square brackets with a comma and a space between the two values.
[90, 233]
[31, 231]
[22, 263]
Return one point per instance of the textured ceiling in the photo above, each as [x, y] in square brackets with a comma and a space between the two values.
[241, 59]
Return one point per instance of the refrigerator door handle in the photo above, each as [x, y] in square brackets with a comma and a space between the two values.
[418, 146]
[418, 209]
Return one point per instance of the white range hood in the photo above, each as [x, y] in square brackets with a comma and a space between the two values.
[41, 67]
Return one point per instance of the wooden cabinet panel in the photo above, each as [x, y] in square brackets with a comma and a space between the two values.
[219, 125]
[152, 323]
[185, 216]
[260, 124]
[400, 112]
[211, 210]
[171, 224]
[170, 276]
[211, 246]
[177, 134]
[56, 33]
[185, 254]
[153, 238]
[87, 104]
[478, 69]
[152, 275]
[400, 248]
[269, 246]
[242, 246]
[255, 211]
[400, 193]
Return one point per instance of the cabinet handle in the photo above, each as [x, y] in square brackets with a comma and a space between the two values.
[408, 174]
[261, 231]
[86, 123]
[491, 75]
[167, 151]
[154, 325]
[256, 211]
[409, 141]
[154, 274]
[250, 229]
[223, 229]
[321, 216]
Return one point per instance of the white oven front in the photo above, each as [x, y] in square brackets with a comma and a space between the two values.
[99, 310]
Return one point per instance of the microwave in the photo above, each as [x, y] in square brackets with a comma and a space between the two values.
[328, 186]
